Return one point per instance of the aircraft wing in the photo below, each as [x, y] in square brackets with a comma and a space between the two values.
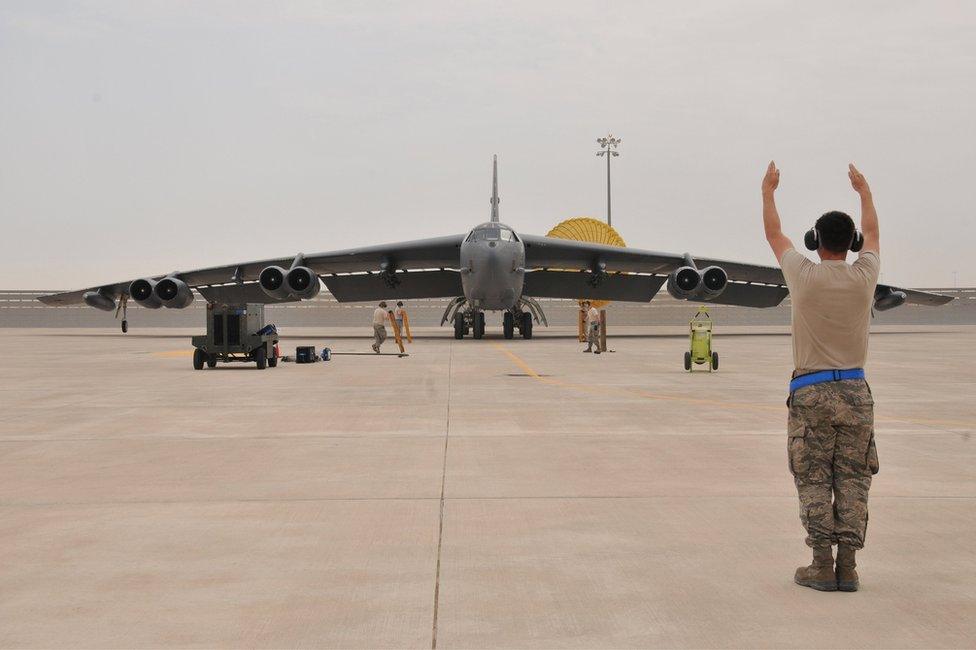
[435, 253]
[750, 285]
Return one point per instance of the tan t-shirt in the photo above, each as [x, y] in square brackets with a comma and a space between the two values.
[379, 316]
[831, 309]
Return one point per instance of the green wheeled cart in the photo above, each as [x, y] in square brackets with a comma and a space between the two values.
[236, 333]
[700, 342]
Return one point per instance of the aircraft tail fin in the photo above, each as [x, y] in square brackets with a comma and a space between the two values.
[494, 189]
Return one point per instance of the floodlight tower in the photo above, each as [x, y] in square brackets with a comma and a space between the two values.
[608, 148]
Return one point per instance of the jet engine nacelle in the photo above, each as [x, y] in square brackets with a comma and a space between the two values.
[302, 282]
[714, 281]
[272, 281]
[885, 298]
[685, 283]
[299, 282]
[173, 293]
[99, 300]
[142, 291]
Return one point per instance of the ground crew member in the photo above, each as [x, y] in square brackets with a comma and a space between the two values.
[592, 327]
[831, 448]
[379, 327]
[398, 315]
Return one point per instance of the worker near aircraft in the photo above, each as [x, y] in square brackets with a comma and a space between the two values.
[379, 327]
[831, 449]
[592, 327]
[398, 315]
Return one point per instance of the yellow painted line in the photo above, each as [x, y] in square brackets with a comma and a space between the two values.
[170, 354]
[525, 367]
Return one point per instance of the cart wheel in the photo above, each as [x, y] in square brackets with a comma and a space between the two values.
[688, 361]
[211, 360]
[273, 362]
[198, 358]
[261, 356]
[714, 360]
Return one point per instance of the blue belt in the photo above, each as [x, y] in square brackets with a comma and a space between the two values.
[823, 376]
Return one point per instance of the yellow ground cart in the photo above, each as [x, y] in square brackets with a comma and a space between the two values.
[700, 342]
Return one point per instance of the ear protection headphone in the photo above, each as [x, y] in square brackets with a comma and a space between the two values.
[812, 240]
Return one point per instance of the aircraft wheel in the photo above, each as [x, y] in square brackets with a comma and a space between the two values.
[261, 357]
[273, 362]
[459, 326]
[688, 361]
[526, 325]
[198, 358]
[479, 324]
[125, 326]
[508, 325]
[714, 360]
[211, 360]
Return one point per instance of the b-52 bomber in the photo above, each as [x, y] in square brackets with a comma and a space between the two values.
[491, 268]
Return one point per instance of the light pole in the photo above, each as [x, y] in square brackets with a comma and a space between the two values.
[608, 148]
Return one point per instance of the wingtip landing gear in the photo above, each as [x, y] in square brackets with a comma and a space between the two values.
[123, 299]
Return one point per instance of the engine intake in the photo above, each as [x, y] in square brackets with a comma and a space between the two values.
[302, 282]
[684, 283]
[298, 282]
[272, 281]
[173, 293]
[142, 291]
[714, 281]
[886, 298]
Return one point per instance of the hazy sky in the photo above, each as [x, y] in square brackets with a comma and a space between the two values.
[139, 138]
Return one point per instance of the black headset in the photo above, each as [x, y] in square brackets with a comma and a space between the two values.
[812, 240]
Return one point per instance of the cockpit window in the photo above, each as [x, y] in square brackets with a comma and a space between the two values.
[492, 233]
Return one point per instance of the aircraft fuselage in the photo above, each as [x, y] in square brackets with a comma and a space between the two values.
[492, 267]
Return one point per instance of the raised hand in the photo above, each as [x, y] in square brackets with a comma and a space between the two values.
[771, 180]
[858, 182]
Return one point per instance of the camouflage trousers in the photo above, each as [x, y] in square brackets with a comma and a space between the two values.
[832, 457]
[593, 335]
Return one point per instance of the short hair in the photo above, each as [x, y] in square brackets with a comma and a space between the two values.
[383, 304]
[835, 231]
[399, 303]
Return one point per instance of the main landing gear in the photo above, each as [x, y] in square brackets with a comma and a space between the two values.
[471, 321]
[517, 319]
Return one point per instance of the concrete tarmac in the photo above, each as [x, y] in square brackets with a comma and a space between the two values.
[476, 494]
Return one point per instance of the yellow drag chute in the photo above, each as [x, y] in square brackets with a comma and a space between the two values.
[590, 230]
